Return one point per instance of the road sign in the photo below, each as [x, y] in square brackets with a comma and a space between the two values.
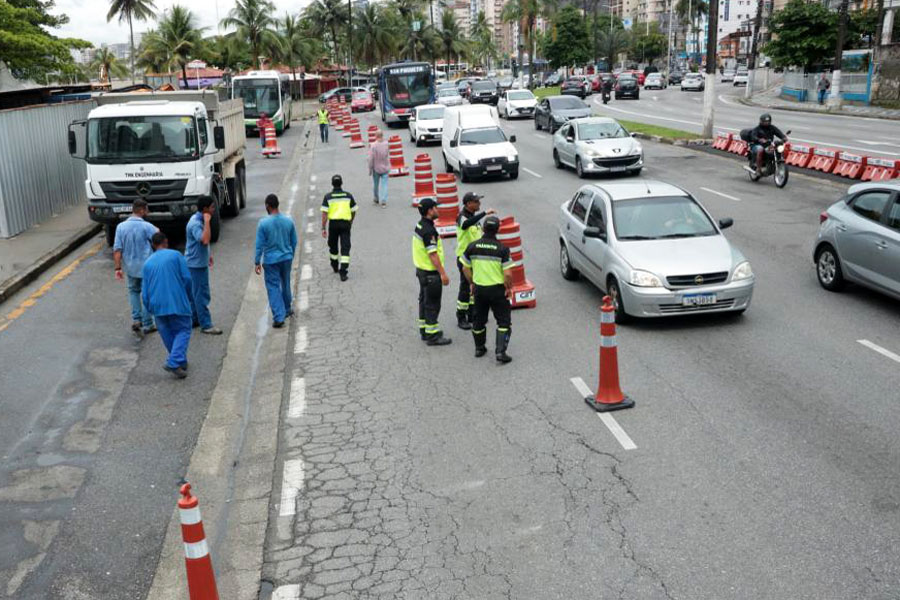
[196, 64]
[416, 25]
[627, 23]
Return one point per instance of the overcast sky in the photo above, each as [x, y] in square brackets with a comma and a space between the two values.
[87, 18]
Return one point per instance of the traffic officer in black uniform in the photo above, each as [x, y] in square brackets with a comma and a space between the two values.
[487, 266]
[338, 212]
[428, 257]
[468, 229]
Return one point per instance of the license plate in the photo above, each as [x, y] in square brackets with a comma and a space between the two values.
[121, 209]
[524, 296]
[617, 169]
[494, 167]
[698, 299]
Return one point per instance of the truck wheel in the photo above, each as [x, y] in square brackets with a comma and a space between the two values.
[242, 186]
[215, 222]
[110, 229]
[233, 208]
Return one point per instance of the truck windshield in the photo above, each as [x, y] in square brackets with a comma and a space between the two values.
[140, 139]
[259, 96]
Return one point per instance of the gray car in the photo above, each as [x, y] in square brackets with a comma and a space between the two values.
[654, 249]
[859, 240]
[597, 145]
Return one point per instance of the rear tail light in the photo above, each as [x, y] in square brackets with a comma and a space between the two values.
[823, 217]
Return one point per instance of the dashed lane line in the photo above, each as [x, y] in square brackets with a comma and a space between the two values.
[301, 342]
[882, 351]
[287, 592]
[530, 172]
[297, 405]
[304, 301]
[309, 227]
[306, 273]
[608, 419]
[705, 189]
[291, 484]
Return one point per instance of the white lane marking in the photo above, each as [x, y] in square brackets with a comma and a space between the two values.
[297, 405]
[608, 419]
[540, 136]
[287, 592]
[873, 143]
[295, 187]
[304, 301]
[720, 194]
[313, 178]
[306, 273]
[880, 350]
[309, 227]
[310, 212]
[291, 484]
[530, 172]
[301, 343]
[307, 247]
[312, 187]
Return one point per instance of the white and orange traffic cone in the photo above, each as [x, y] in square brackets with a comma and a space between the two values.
[201, 578]
[373, 131]
[523, 290]
[609, 395]
[356, 140]
[271, 141]
[447, 205]
[398, 164]
[424, 181]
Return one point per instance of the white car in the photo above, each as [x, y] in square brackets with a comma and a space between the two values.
[693, 81]
[741, 78]
[727, 75]
[517, 103]
[426, 123]
[450, 97]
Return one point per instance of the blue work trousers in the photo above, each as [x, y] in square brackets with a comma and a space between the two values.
[175, 332]
[200, 300]
[380, 187]
[138, 311]
[278, 287]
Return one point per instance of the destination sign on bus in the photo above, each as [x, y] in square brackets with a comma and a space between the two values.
[407, 70]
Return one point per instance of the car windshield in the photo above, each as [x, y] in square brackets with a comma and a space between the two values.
[567, 103]
[506, 81]
[141, 139]
[446, 93]
[408, 89]
[481, 86]
[660, 218]
[600, 131]
[429, 114]
[361, 96]
[522, 95]
[487, 135]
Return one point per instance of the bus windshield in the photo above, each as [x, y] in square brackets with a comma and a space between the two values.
[405, 90]
[141, 139]
[259, 96]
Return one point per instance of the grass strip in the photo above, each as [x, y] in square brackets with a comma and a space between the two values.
[665, 132]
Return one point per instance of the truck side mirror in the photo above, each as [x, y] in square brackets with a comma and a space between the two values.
[726, 223]
[219, 137]
[512, 139]
[73, 145]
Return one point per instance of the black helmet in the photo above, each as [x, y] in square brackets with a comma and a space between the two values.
[765, 119]
[491, 225]
[337, 181]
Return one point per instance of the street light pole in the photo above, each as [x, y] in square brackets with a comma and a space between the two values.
[669, 38]
[835, 100]
[709, 96]
[350, 44]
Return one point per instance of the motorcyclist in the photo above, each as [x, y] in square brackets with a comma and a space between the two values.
[607, 87]
[761, 136]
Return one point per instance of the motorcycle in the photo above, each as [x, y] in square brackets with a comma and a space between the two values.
[773, 163]
[606, 96]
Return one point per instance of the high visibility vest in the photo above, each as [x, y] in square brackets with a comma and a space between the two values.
[464, 237]
[339, 206]
[425, 241]
[323, 116]
[488, 259]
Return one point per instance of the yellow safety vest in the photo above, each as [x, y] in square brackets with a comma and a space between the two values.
[323, 116]
[338, 206]
[421, 252]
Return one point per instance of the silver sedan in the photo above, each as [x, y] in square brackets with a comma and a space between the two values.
[859, 239]
[654, 249]
[597, 145]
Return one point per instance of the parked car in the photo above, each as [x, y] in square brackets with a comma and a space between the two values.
[575, 86]
[693, 81]
[727, 75]
[474, 145]
[627, 87]
[653, 249]
[859, 240]
[446, 85]
[655, 81]
[426, 123]
[741, 78]
[675, 77]
[554, 111]
[449, 97]
[517, 103]
[362, 102]
[597, 145]
[484, 91]
[505, 83]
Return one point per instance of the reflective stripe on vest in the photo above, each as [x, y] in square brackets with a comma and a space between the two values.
[464, 237]
[420, 254]
[323, 117]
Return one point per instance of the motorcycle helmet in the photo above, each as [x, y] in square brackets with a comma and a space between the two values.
[765, 120]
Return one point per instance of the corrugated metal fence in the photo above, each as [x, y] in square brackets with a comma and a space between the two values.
[38, 178]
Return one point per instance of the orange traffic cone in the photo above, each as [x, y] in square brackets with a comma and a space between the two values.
[356, 140]
[609, 395]
[398, 164]
[373, 129]
[201, 578]
[424, 181]
[523, 290]
[447, 205]
[271, 141]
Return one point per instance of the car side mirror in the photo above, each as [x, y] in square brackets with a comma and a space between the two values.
[219, 137]
[633, 134]
[512, 139]
[726, 223]
[73, 144]
[595, 233]
[454, 143]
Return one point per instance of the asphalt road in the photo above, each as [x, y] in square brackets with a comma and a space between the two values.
[766, 459]
[684, 110]
[94, 435]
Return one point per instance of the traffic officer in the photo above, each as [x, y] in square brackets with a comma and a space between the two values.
[322, 113]
[487, 266]
[428, 257]
[468, 229]
[338, 212]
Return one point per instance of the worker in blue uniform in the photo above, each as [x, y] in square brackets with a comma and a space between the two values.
[276, 241]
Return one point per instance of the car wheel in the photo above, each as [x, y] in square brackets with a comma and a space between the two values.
[578, 168]
[556, 162]
[568, 272]
[447, 166]
[463, 178]
[828, 269]
[615, 294]
[537, 124]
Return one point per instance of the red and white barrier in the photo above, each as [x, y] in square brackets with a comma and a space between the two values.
[798, 155]
[448, 204]
[824, 160]
[523, 290]
[881, 169]
[609, 394]
[424, 180]
[373, 130]
[723, 141]
[850, 165]
[356, 140]
[201, 578]
[739, 147]
[398, 164]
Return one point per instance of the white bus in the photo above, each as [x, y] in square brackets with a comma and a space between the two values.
[264, 92]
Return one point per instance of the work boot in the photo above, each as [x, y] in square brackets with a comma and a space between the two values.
[334, 266]
[343, 275]
[211, 331]
[462, 320]
[438, 339]
[502, 344]
[480, 341]
[178, 372]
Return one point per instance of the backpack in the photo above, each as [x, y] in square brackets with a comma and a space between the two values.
[746, 135]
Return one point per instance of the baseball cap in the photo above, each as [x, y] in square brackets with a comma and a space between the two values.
[471, 197]
[426, 204]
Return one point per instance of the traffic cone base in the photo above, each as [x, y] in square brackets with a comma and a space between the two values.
[626, 402]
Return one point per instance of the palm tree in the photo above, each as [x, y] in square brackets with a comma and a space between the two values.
[483, 40]
[151, 54]
[422, 44]
[129, 10]
[613, 42]
[690, 12]
[526, 13]
[296, 46]
[108, 66]
[254, 22]
[374, 29]
[451, 37]
[328, 16]
[180, 37]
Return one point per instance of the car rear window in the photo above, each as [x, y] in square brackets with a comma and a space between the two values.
[894, 217]
[566, 103]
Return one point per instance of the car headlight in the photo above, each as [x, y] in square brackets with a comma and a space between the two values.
[636, 150]
[742, 272]
[591, 152]
[512, 158]
[471, 161]
[645, 279]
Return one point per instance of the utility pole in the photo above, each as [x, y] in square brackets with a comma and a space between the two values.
[712, 45]
[754, 48]
[669, 38]
[350, 44]
[835, 100]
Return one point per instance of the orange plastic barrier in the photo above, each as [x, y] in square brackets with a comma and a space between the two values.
[798, 155]
[424, 181]
[881, 169]
[850, 165]
[824, 160]
[398, 164]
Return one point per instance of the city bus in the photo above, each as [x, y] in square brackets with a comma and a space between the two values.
[402, 87]
[264, 92]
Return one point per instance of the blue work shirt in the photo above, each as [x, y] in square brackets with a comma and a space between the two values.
[166, 287]
[133, 241]
[195, 252]
[276, 239]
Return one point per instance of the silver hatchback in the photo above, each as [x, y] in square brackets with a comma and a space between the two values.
[859, 239]
[654, 249]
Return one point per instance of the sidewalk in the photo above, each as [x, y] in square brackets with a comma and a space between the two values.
[24, 257]
[770, 99]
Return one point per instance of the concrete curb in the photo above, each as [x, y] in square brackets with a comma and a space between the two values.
[839, 113]
[23, 278]
[674, 141]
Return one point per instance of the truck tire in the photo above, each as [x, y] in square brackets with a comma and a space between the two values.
[233, 208]
[242, 186]
[215, 222]
[110, 229]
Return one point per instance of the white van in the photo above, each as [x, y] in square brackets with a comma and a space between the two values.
[474, 145]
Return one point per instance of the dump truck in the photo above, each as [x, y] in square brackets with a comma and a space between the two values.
[168, 148]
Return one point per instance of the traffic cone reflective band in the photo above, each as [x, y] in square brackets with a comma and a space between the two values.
[373, 129]
[348, 121]
[398, 165]
[447, 205]
[201, 578]
[609, 395]
[424, 181]
[271, 141]
[356, 140]
[523, 290]
[339, 117]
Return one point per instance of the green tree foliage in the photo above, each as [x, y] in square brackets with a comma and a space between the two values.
[375, 28]
[106, 66]
[612, 44]
[648, 43]
[328, 17]
[598, 23]
[526, 13]
[862, 28]
[483, 47]
[128, 11]
[804, 34]
[28, 50]
[569, 42]
[178, 38]
[254, 21]
[451, 36]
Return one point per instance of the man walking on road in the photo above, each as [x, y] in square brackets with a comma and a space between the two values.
[468, 229]
[322, 113]
[196, 252]
[132, 248]
[166, 291]
[822, 86]
[276, 241]
[487, 265]
[338, 212]
[428, 258]
[380, 168]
